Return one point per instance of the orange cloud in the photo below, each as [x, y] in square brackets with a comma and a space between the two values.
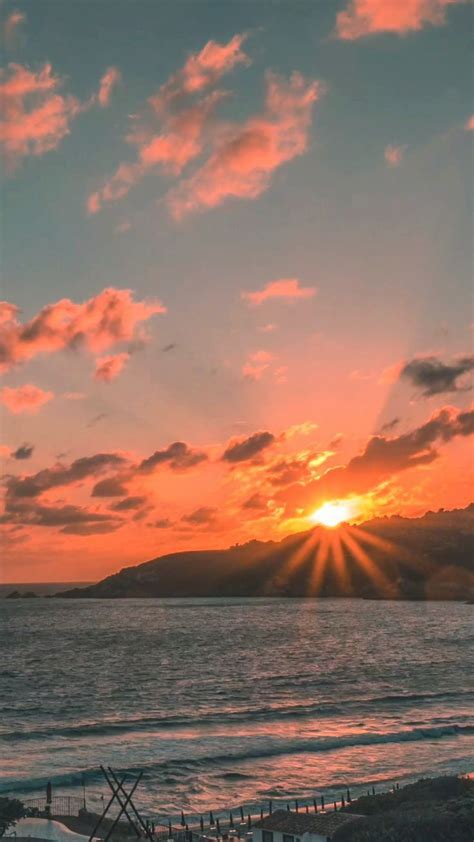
[369, 17]
[394, 155]
[247, 155]
[183, 126]
[383, 458]
[98, 323]
[108, 368]
[24, 399]
[470, 124]
[256, 364]
[36, 117]
[284, 288]
[109, 80]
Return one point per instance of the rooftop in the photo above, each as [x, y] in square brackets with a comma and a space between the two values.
[296, 824]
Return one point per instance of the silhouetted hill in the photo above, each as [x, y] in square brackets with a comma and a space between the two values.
[431, 557]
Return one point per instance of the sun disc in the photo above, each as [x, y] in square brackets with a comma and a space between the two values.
[331, 514]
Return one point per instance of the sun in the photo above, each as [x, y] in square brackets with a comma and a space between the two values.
[332, 514]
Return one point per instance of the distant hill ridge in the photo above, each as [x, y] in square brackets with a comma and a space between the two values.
[430, 557]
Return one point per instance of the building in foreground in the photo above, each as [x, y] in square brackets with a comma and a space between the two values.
[288, 826]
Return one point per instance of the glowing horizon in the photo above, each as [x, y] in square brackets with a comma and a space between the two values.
[237, 300]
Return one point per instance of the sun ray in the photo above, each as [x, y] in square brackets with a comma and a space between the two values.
[320, 565]
[339, 561]
[368, 564]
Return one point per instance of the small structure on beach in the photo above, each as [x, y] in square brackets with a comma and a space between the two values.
[288, 826]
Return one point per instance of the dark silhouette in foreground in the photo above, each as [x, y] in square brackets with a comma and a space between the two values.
[431, 810]
[431, 557]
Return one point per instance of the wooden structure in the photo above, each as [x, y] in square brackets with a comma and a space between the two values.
[124, 800]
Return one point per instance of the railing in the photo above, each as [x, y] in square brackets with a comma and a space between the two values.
[61, 805]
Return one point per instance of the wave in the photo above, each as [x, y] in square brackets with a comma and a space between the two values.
[282, 748]
[265, 714]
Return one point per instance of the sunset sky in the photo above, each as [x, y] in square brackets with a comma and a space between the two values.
[236, 272]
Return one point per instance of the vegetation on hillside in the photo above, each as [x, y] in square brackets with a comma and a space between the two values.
[409, 558]
[435, 809]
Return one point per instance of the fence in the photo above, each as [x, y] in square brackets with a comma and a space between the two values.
[61, 805]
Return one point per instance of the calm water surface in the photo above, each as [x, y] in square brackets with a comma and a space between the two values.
[226, 702]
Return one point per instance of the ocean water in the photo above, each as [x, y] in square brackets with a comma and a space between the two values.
[232, 702]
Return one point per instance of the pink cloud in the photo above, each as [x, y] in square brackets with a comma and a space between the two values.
[182, 123]
[394, 155]
[281, 374]
[108, 368]
[11, 25]
[284, 288]
[256, 365]
[470, 124]
[123, 227]
[180, 141]
[391, 374]
[368, 17]
[35, 116]
[96, 324]
[246, 156]
[74, 396]
[24, 399]
[201, 70]
[109, 80]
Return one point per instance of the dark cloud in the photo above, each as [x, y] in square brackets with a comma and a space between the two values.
[255, 502]
[287, 471]
[129, 503]
[389, 425]
[170, 347]
[434, 377]
[383, 458]
[110, 487]
[162, 523]
[247, 448]
[34, 514]
[87, 466]
[91, 528]
[201, 516]
[95, 420]
[178, 455]
[25, 451]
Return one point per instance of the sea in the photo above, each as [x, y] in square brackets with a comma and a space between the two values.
[225, 703]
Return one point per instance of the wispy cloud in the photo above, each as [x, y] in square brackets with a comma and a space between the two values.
[11, 26]
[24, 399]
[256, 364]
[394, 155]
[246, 155]
[109, 80]
[172, 131]
[286, 288]
[36, 117]
[108, 368]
